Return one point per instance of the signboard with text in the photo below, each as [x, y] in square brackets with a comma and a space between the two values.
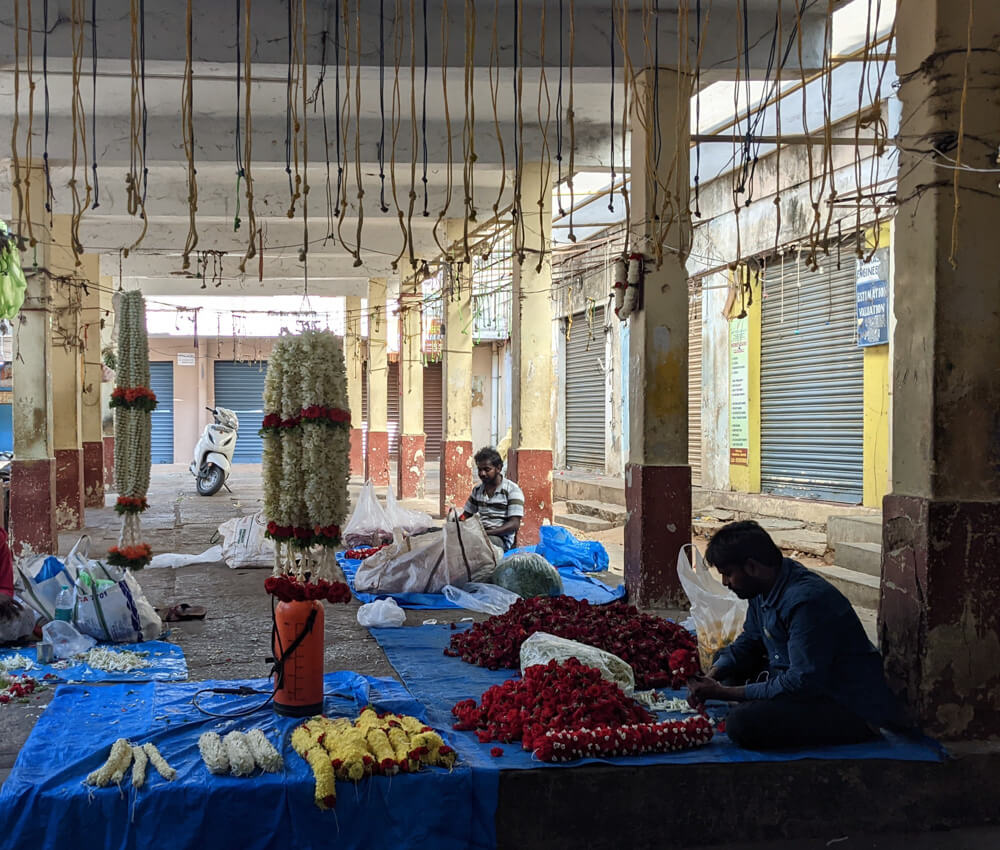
[871, 282]
[739, 399]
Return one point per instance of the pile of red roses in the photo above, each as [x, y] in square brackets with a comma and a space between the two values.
[138, 398]
[304, 538]
[662, 654]
[636, 739]
[131, 557]
[362, 552]
[289, 589]
[130, 505]
[20, 687]
[550, 697]
[314, 413]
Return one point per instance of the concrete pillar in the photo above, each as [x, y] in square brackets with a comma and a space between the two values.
[657, 475]
[939, 614]
[107, 414]
[33, 473]
[457, 466]
[352, 360]
[533, 396]
[92, 407]
[377, 460]
[410, 470]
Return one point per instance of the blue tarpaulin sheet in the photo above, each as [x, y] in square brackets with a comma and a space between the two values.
[561, 549]
[575, 583]
[166, 664]
[438, 681]
[43, 803]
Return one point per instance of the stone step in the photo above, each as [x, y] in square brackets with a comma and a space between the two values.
[863, 528]
[581, 522]
[861, 589]
[862, 557]
[800, 540]
[615, 514]
[568, 485]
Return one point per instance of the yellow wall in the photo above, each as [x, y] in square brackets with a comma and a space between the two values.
[746, 479]
[876, 404]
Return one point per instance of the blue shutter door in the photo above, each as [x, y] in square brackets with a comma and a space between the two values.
[240, 387]
[161, 382]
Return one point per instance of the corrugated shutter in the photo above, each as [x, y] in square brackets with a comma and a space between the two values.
[240, 387]
[161, 382]
[364, 408]
[694, 383]
[432, 412]
[393, 410]
[585, 397]
[812, 385]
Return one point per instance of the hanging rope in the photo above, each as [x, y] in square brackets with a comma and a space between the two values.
[469, 128]
[79, 122]
[381, 106]
[397, 109]
[14, 124]
[187, 130]
[304, 90]
[357, 139]
[413, 133]
[445, 251]
[571, 117]
[629, 76]
[237, 143]
[137, 107]
[423, 115]
[559, 119]
[45, 81]
[545, 189]
[93, 102]
[320, 93]
[953, 253]
[28, 145]
[142, 87]
[494, 96]
[336, 54]
[518, 79]
[611, 132]
[248, 150]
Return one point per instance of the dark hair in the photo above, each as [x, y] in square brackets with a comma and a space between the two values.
[739, 542]
[488, 454]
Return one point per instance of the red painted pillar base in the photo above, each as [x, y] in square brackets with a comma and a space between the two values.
[93, 474]
[531, 469]
[939, 613]
[69, 489]
[458, 474]
[377, 461]
[410, 471]
[32, 508]
[109, 461]
[357, 456]
[658, 499]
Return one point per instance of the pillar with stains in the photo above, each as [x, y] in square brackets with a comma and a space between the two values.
[410, 470]
[107, 413]
[657, 475]
[92, 407]
[533, 392]
[353, 364]
[377, 456]
[939, 613]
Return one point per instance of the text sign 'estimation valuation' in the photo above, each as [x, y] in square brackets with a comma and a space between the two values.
[739, 397]
[871, 282]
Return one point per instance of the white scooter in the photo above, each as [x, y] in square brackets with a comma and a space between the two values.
[213, 456]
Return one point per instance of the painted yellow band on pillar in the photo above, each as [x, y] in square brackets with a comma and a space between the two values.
[93, 367]
[456, 372]
[352, 357]
[67, 358]
[410, 352]
[378, 375]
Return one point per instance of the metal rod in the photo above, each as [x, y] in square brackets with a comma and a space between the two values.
[790, 139]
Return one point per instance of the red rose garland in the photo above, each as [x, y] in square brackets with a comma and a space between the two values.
[288, 589]
[130, 505]
[314, 413]
[636, 739]
[135, 398]
[304, 537]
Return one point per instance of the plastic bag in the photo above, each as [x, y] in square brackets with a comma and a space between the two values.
[43, 577]
[527, 575]
[368, 525]
[541, 648]
[486, 598]
[381, 614]
[66, 641]
[411, 522]
[111, 606]
[561, 549]
[718, 613]
[171, 559]
[245, 544]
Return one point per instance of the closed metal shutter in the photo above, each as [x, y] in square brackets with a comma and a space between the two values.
[694, 383]
[240, 387]
[364, 408]
[812, 385]
[433, 424]
[161, 382]
[392, 407]
[586, 415]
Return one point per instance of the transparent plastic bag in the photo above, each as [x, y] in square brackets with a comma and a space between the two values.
[528, 574]
[486, 598]
[411, 522]
[65, 639]
[541, 648]
[369, 525]
[718, 613]
[381, 614]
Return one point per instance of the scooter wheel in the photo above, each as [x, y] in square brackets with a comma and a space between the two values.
[210, 480]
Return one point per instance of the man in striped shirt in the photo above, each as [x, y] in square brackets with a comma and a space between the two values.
[498, 500]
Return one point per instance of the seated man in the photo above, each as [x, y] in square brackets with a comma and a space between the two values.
[803, 672]
[498, 500]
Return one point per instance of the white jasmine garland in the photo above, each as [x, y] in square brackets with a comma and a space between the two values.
[241, 760]
[112, 771]
[213, 752]
[139, 762]
[159, 762]
[265, 755]
[15, 662]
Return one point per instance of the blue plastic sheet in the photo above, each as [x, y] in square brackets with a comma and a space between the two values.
[167, 664]
[439, 682]
[43, 803]
[561, 549]
[575, 583]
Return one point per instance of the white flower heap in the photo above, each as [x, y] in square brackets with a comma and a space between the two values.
[133, 401]
[306, 433]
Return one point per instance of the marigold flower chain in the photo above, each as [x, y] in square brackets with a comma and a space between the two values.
[635, 739]
[661, 653]
[132, 557]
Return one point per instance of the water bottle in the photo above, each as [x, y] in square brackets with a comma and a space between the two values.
[64, 604]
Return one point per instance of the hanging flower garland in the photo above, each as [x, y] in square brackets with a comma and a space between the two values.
[133, 401]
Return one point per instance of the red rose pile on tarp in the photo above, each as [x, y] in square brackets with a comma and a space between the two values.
[661, 654]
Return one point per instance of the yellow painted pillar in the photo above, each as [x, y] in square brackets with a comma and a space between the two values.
[410, 470]
[377, 456]
[93, 367]
[658, 475]
[533, 392]
[457, 466]
[107, 385]
[352, 361]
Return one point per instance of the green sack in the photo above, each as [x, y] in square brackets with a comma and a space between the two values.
[12, 282]
[528, 574]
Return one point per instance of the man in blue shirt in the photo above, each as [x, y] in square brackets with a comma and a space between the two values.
[802, 672]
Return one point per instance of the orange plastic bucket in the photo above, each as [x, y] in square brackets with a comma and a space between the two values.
[298, 653]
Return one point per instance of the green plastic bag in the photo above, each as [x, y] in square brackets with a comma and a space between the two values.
[12, 282]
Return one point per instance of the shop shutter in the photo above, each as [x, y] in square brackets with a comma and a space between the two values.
[240, 387]
[694, 383]
[433, 424]
[812, 385]
[393, 410]
[161, 382]
[586, 415]
[364, 408]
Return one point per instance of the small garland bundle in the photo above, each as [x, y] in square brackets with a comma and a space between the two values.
[306, 433]
[133, 401]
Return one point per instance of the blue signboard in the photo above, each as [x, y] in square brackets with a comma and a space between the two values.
[871, 281]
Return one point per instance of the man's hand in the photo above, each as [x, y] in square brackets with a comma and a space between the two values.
[10, 608]
[702, 688]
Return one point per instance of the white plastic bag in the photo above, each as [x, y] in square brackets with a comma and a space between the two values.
[718, 613]
[541, 648]
[381, 614]
[66, 641]
[411, 522]
[368, 525]
[171, 559]
[486, 598]
[111, 606]
[245, 544]
[44, 576]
